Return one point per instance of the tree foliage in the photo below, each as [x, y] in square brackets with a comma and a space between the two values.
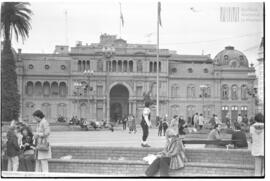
[15, 18]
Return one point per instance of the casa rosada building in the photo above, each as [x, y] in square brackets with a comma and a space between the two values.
[107, 80]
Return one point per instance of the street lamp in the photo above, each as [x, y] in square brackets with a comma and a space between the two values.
[89, 74]
[203, 95]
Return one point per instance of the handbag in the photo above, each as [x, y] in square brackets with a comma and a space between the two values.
[43, 145]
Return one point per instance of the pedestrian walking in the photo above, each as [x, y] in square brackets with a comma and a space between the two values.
[228, 120]
[43, 144]
[257, 143]
[145, 124]
[212, 121]
[28, 150]
[13, 149]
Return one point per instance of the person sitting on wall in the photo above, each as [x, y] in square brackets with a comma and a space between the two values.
[239, 139]
[214, 135]
[172, 157]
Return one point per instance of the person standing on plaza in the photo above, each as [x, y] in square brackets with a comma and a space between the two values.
[217, 120]
[42, 140]
[257, 143]
[28, 147]
[165, 125]
[174, 124]
[196, 120]
[181, 126]
[201, 121]
[125, 122]
[13, 149]
[145, 124]
[159, 125]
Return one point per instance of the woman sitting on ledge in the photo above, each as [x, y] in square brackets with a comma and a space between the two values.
[172, 157]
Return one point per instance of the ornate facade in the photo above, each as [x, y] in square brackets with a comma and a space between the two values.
[107, 80]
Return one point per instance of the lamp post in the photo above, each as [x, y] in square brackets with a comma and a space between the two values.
[77, 86]
[203, 89]
[89, 74]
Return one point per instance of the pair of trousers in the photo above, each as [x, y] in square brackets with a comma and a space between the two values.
[42, 166]
[259, 166]
[145, 130]
[124, 125]
[28, 163]
[161, 164]
[13, 163]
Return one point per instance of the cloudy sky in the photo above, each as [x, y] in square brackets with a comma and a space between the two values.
[188, 28]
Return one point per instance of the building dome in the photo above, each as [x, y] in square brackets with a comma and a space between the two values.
[231, 57]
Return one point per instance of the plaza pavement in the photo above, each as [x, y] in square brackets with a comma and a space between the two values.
[118, 138]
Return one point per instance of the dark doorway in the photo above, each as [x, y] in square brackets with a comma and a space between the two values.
[118, 102]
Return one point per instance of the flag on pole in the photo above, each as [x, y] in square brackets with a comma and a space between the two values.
[159, 11]
[121, 16]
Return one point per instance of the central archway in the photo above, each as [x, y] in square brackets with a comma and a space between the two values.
[118, 102]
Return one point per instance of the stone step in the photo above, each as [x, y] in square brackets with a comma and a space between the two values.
[137, 168]
[203, 155]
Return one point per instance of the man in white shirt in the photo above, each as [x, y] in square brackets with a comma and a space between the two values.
[145, 123]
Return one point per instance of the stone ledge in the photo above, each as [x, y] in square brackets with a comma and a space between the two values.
[130, 162]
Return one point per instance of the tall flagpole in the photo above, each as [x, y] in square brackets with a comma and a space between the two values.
[158, 11]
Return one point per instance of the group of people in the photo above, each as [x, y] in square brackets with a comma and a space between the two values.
[26, 149]
[130, 122]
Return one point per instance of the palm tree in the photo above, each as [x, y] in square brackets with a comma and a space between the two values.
[15, 18]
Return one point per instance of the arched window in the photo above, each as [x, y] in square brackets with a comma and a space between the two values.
[46, 89]
[114, 66]
[125, 66]
[139, 66]
[119, 66]
[155, 66]
[62, 89]
[79, 66]
[29, 88]
[87, 65]
[234, 92]
[225, 91]
[84, 86]
[151, 67]
[62, 110]
[108, 66]
[84, 66]
[191, 91]
[190, 70]
[54, 89]
[244, 92]
[38, 89]
[83, 111]
[130, 66]
[175, 90]
[30, 108]
[100, 66]
[208, 91]
[46, 109]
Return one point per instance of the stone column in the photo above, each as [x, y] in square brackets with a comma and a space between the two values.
[108, 108]
[104, 109]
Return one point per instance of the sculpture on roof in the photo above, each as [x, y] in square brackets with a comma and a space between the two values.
[147, 95]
